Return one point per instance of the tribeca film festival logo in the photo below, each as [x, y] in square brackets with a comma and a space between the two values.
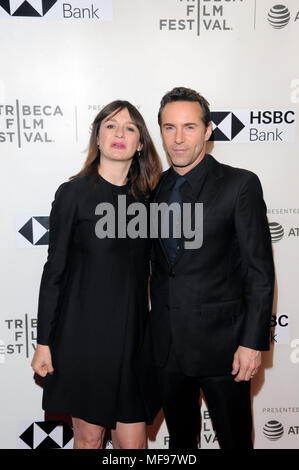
[57, 9]
[29, 124]
[32, 231]
[208, 438]
[279, 16]
[19, 337]
[200, 16]
[254, 126]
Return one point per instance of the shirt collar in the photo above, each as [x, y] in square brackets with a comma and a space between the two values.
[193, 175]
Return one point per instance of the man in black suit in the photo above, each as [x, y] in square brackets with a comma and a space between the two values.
[211, 306]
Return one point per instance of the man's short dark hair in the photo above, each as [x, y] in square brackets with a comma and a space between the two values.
[186, 94]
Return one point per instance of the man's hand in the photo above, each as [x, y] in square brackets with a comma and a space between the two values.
[247, 362]
[42, 361]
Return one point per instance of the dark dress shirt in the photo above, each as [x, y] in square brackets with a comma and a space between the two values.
[194, 180]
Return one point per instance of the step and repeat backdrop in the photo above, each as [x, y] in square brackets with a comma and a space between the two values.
[60, 63]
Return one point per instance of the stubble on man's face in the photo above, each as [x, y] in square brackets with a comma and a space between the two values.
[184, 134]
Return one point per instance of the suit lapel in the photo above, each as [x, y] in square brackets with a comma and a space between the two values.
[159, 185]
[211, 186]
[154, 200]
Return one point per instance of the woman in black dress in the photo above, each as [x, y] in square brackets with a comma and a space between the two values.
[93, 344]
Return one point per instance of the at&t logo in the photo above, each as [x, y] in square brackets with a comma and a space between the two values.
[279, 16]
[276, 231]
[273, 430]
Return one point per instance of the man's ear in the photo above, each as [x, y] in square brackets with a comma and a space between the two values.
[209, 131]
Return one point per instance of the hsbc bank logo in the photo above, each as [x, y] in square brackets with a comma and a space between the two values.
[226, 126]
[254, 126]
[27, 8]
[46, 435]
[280, 328]
[32, 231]
[96, 10]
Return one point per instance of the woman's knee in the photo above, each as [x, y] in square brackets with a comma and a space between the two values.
[129, 436]
[129, 443]
[87, 435]
[87, 442]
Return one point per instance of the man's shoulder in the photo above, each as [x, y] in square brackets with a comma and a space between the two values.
[162, 178]
[164, 174]
[232, 172]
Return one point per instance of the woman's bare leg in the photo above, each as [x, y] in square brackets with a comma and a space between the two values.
[129, 436]
[87, 435]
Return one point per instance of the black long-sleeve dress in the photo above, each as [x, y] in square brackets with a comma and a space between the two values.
[93, 311]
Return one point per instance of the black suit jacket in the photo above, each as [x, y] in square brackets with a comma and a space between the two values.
[217, 297]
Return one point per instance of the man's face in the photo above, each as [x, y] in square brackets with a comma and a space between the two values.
[184, 134]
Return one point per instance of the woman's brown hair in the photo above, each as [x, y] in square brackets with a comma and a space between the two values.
[146, 167]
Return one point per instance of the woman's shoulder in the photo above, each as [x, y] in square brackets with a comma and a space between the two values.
[73, 187]
[75, 183]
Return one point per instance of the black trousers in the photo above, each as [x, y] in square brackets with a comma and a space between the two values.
[228, 402]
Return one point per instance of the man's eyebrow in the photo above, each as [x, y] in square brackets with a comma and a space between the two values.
[185, 124]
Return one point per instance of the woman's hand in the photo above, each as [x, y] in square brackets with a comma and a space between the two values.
[42, 360]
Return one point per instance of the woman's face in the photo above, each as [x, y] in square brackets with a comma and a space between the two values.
[118, 137]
